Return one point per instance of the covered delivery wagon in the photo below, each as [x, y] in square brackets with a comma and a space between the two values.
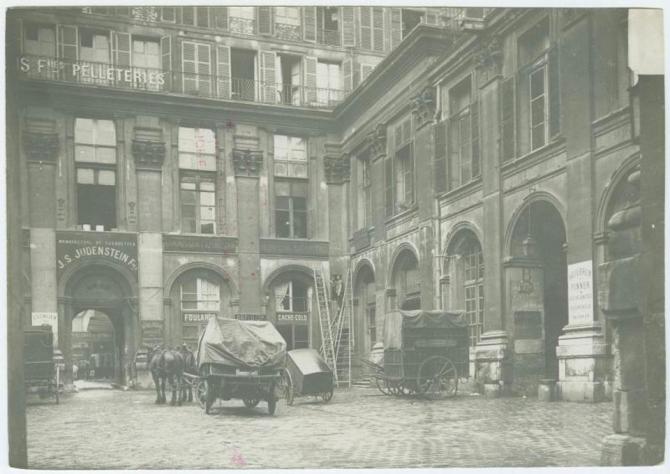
[424, 352]
[240, 359]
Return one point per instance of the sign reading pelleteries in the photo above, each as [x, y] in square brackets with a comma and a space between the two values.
[580, 292]
[73, 247]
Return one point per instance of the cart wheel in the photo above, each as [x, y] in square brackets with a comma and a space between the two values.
[437, 378]
[251, 402]
[382, 386]
[210, 396]
[327, 396]
[201, 392]
[286, 387]
[272, 405]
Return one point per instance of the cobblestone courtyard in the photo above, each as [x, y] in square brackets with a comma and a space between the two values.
[358, 428]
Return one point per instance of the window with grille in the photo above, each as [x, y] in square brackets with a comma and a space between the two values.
[291, 209]
[95, 163]
[197, 165]
[290, 156]
[473, 272]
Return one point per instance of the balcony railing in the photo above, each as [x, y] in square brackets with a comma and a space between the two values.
[287, 31]
[242, 26]
[328, 37]
[175, 82]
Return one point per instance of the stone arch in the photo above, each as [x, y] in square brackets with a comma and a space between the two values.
[302, 270]
[361, 265]
[74, 271]
[454, 235]
[398, 252]
[174, 276]
[538, 196]
[620, 173]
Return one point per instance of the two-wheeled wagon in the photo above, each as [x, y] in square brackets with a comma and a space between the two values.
[307, 374]
[425, 352]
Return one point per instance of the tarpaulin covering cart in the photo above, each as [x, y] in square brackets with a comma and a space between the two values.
[242, 360]
[307, 374]
[424, 353]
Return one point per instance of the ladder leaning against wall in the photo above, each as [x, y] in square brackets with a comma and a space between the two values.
[343, 330]
[325, 323]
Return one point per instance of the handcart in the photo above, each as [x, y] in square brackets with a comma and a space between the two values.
[425, 352]
[306, 374]
[41, 373]
[240, 360]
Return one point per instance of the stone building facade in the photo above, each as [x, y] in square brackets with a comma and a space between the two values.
[183, 162]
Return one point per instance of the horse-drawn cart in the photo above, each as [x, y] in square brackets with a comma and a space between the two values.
[41, 373]
[424, 354]
[241, 360]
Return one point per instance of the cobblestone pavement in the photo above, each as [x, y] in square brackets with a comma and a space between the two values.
[358, 428]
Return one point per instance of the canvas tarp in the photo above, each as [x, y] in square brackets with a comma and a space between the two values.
[241, 344]
[398, 320]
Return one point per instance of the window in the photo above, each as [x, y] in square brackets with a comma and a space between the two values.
[365, 214]
[243, 73]
[242, 20]
[463, 136]
[290, 156]
[371, 311]
[287, 15]
[328, 83]
[168, 14]
[404, 164]
[288, 78]
[95, 162]
[537, 89]
[372, 28]
[39, 40]
[473, 270]
[197, 164]
[195, 16]
[200, 294]
[291, 209]
[328, 25]
[291, 296]
[146, 58]
[196, 67]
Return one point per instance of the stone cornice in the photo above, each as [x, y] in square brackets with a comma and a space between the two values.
[148, 154]
[42, 147]
[337, 168]
[247, 162]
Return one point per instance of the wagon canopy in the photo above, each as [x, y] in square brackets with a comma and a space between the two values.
[241, 344]
[398, 321]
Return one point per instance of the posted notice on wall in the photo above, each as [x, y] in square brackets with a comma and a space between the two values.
[580, 292]
[48, 318]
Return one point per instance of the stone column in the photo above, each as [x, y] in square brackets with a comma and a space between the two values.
[41, 148]
[248, 164]
[582, 351]
[149, 152]
[490, 360]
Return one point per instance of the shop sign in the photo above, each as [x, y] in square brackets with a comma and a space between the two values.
[580, 292]
[93, 71]
[292, 318]
[198, 317]
[199, 244]
[48, 319]
[72, 247]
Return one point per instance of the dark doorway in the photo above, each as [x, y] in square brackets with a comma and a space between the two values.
[540, 235]
[97, 346]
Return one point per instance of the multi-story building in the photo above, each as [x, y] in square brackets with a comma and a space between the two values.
[180, 162]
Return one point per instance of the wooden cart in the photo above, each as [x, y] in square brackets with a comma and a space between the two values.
[425, 352]
[307, 374]
[41, 373]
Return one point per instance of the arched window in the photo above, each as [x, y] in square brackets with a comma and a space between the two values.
[200, 299]
[406, 281]
[465, 277]
[292, 305]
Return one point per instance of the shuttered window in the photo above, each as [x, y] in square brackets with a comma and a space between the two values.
[309, 23]
[378, 29]
[348, 27]
[196, 68]
[366, 27]
[396, 27]
[265, 21]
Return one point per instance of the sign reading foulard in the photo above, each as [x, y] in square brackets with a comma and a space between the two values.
[580, 292]
[73, 247]
[94, 71]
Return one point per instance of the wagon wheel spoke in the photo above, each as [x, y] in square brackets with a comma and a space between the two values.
[437, 377]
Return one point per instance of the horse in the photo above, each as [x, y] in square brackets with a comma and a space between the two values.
[166, 365]
[189, 368]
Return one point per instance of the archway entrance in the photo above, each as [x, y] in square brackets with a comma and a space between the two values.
[290, 303]
[365, 300]
[539, 237]
[99, 324]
